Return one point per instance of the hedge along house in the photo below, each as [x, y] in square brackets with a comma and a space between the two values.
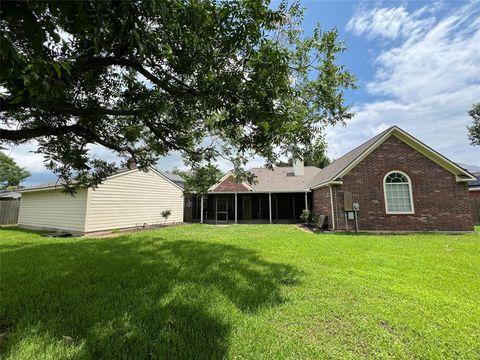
[128, 199]
[392, 182]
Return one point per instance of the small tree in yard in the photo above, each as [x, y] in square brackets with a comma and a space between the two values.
[166, 214]
[11, 175]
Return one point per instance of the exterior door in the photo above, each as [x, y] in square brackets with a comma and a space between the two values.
[222, 209]
[247, 207]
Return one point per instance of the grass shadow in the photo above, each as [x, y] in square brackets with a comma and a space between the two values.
[133, 297]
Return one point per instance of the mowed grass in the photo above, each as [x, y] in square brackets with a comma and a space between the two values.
[240, 292]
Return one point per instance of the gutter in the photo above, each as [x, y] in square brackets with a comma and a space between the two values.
[328, 183]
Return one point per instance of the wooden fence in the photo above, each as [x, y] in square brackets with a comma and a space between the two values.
[475, 204]
[9, 211]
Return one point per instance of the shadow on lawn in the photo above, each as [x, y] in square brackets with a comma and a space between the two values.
[135, 297]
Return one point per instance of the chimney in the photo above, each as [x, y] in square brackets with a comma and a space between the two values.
[131, 164]
[298, 168]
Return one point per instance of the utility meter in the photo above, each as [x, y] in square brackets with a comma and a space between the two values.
[356, 207]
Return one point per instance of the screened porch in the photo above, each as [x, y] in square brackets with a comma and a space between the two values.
[226, 208]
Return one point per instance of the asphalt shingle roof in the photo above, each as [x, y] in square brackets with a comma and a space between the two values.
[282, 179]
[329, 172]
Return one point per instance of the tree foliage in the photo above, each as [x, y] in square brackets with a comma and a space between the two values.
[315, 157]
[143, 78]
[474, 130]
[11, 175]
[199, 179]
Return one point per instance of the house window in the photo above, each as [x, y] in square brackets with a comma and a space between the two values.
[398, 193]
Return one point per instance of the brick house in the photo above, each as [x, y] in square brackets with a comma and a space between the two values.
[392, 182]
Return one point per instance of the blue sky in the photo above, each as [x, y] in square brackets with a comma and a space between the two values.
[417, 64]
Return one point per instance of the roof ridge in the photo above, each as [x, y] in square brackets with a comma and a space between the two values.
[379, 135]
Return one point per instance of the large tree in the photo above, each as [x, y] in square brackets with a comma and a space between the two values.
[11, 175]
[474, 130]
[316, 156]
[143, 78]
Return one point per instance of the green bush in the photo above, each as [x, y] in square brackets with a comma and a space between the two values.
[308, 217]
[166, 214]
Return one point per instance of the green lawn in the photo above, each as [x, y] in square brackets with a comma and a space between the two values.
[243, 292]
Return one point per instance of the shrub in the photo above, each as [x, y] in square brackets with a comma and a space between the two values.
[166, 214]
[307, 216]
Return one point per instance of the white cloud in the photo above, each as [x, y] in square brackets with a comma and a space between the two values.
[429, 81]
[25, 157]
[390, 23]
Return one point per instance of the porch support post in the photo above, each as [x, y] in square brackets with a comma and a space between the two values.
[235, 208]
[306, 201]
[201, 209]
[270, 206]
[293, 206]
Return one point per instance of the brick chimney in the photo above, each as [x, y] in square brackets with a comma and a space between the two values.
[131, 164]
[298, 168]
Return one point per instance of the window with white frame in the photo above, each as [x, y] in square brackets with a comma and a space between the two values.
[398, 193]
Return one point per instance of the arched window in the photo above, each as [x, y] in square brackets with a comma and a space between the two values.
[398, 193]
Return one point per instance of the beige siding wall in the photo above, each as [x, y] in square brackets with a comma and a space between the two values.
[133, 199]
[52, 209]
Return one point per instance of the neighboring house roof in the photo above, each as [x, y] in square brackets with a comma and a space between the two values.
[475, 184]
[473, 169]
[177, 179]
[7, 194]
[340, 167]
[49, 185]
[172, 178]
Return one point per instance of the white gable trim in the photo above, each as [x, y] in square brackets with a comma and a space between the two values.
[225, 177]
[461, 175]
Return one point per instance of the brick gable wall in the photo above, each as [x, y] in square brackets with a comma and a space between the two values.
[440, 203]
[229, 185]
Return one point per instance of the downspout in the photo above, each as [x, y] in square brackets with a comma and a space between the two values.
[336, 206]
[201, 209]
[331, 206]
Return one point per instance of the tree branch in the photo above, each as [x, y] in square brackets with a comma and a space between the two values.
[75, 111]
[31, 133]
[39, 131]
[110, 60]
[66, 109]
